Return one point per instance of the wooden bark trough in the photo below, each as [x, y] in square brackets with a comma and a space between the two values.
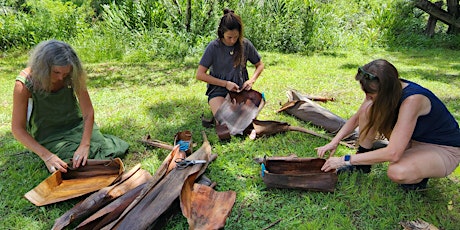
[297, 173]
[96, 174]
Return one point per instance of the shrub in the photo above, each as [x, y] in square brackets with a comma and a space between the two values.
[34, 21]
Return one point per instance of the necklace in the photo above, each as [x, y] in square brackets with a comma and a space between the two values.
[231, 52]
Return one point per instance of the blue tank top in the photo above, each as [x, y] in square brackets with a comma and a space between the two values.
[438, 126]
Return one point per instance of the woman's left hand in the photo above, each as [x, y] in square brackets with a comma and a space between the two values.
[247, 85]
[333, 163]
[80, 156]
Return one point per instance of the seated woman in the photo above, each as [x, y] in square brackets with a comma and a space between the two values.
[226, 58]
[424, 137]
[52, 111]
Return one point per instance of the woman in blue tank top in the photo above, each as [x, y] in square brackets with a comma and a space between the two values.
[423, 136]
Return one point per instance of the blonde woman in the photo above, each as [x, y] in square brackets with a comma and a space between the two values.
[52, 111]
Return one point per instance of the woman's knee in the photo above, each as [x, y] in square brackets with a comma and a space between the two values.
[397, 173]
[215, 103]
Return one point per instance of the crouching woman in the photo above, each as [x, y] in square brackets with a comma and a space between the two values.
[424, 137]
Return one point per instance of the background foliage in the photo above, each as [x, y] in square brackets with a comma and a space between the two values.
[141, 57]
[142, 30]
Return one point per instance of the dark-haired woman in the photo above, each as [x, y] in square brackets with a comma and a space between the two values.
[424, 137]
[226, 59]
[52, 111]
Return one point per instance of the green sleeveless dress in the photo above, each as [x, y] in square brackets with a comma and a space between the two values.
[56, 122]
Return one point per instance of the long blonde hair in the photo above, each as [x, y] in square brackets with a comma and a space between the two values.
[382, 78]
[55, 53]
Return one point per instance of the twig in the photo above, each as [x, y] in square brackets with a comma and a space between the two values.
[240, 209]
[304, 130]
[279, 220]
[156, 143]
[273, 224]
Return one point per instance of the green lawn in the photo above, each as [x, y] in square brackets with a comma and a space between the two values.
[162, 98]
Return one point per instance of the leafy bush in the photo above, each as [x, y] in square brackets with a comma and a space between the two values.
[143, 30]
[34, 21]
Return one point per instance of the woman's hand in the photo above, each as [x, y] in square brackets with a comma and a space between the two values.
[80, 156]
[54, 163]
[330, 147]
[231, 86]
[247, 85]
[333, 163]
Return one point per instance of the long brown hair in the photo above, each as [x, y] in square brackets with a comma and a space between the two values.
[231, 21]
[382, 78]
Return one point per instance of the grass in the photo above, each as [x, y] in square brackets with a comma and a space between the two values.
[162, 98]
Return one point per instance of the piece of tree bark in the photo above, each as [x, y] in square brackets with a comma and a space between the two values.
[156, 143]
[111, 211]
[297, 173]
[60, 186]
[236, 113]
[266, 128]
[95, 201]
[150, 205]
[205, 208]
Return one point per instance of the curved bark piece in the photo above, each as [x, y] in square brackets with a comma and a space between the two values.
[159, 175]
[235, 115]
[266, 128]
[157, 199]
[111, 211]
[205, 208]
[176, 154]
[298, 173]
[95, 201]
[96, 174]
[156, 143]
[307, 110]
[184, 139]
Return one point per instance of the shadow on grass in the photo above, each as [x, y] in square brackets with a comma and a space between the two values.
[234, 169]
[428, 67]
[176, 115]
[132, 74]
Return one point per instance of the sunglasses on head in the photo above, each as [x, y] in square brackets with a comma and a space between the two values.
[366, 75]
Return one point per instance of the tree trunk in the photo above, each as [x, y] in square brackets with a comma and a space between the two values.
[442, 15]
[188, 16]
[454, 10]
[431, 25]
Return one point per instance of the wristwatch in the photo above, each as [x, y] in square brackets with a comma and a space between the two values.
[347, 159]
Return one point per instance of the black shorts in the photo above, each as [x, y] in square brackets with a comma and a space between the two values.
[216, 91]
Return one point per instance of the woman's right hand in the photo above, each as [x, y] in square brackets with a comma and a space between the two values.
[330, 147]
[231, 86]
[54, 163]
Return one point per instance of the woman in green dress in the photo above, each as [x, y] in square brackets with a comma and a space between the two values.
[52, 111]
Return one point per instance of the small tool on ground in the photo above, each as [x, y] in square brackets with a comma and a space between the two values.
[182, 163]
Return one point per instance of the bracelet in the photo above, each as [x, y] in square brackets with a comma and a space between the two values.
[226, 82]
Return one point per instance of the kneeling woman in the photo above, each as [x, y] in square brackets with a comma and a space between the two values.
[52, 111]
[226, 58]
[424, 137]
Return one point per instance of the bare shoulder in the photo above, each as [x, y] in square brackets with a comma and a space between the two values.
[20, 89]
[417, 102]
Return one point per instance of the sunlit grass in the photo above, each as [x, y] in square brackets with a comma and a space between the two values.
[162, 98]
